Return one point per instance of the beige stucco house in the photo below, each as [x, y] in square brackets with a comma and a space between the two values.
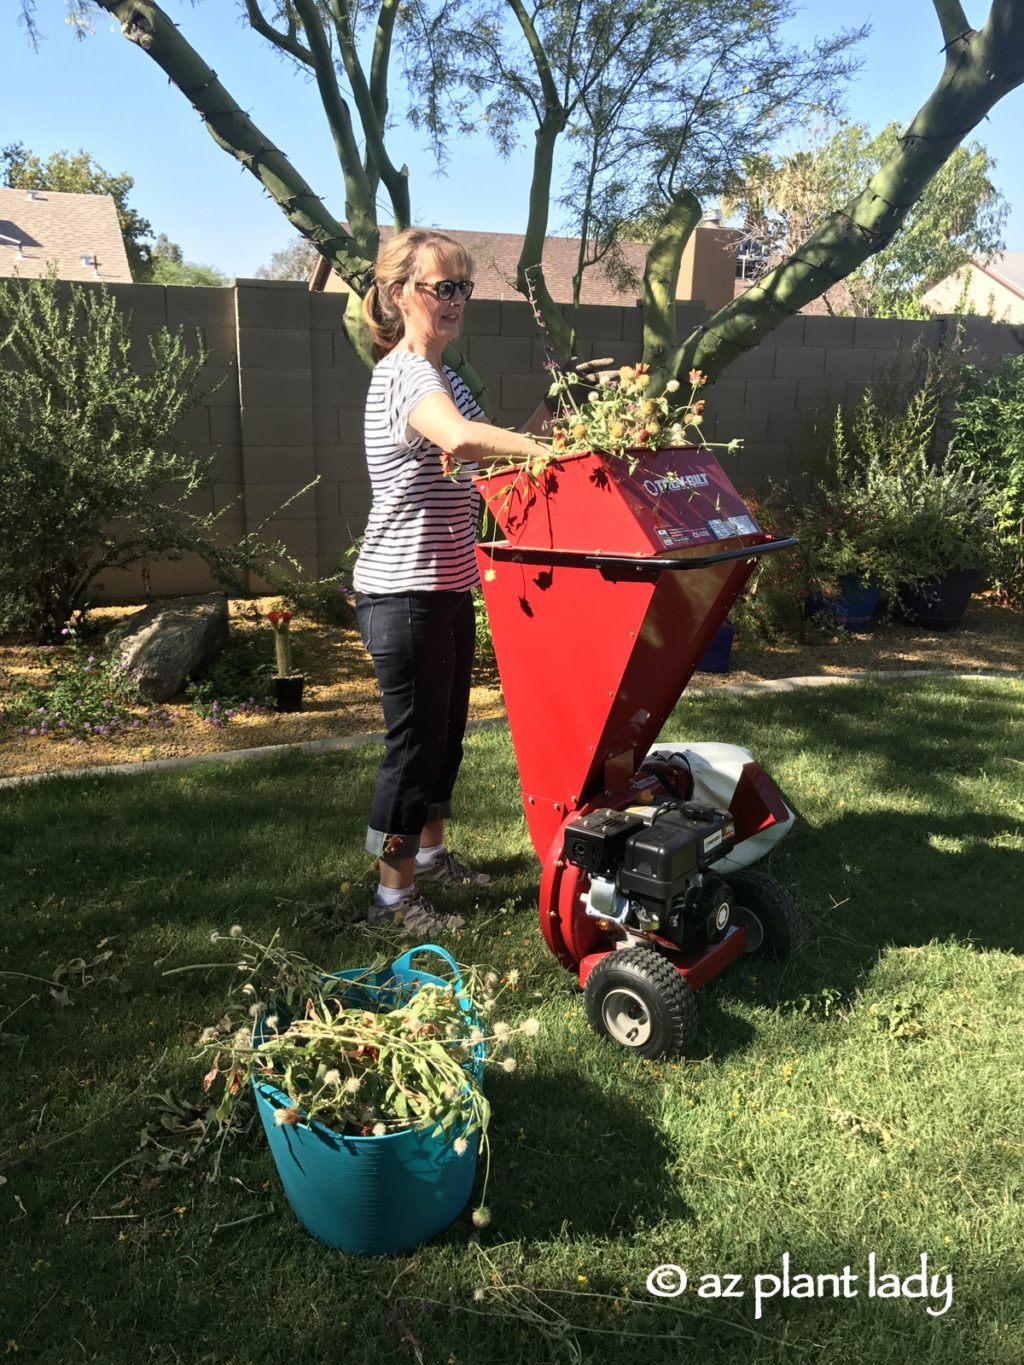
[78, 233]
[993, 289]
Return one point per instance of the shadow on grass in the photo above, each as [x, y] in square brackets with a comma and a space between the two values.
[573, 1158]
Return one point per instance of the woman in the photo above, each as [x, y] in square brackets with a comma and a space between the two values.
[425, 437]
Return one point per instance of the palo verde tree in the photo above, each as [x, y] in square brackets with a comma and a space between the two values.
[351, 70]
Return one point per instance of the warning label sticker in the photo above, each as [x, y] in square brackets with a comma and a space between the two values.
[724, 527]
[681, 535]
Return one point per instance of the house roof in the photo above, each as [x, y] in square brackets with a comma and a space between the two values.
[495, 255]
[78, 232]
[1008, 269]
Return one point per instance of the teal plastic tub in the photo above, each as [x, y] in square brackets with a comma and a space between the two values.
[373, 1196]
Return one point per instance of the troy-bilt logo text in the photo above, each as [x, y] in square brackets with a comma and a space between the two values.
[672, 482]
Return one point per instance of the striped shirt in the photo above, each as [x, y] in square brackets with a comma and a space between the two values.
[422, 525]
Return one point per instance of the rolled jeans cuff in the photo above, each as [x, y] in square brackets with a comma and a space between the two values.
[405, 845]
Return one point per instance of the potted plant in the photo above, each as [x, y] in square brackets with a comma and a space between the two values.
[885, 515]
[943, 528]
[369, 1087]
[288, 685]
[843, 553]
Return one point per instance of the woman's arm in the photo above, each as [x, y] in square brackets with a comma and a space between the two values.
[437, 418]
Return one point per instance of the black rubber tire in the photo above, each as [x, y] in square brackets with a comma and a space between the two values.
[664, 1008]
[772, 907]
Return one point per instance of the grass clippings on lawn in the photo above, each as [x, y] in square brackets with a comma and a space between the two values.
[861, 1100]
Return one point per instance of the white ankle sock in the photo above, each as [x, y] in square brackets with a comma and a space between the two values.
[424, 856]
[391, 895]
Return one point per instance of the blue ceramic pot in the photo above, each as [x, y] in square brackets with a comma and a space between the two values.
[854, 607]
[716, 658]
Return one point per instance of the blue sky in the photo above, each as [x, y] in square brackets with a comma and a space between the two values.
[105, 95]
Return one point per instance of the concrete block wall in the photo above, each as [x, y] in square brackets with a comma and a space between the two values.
[210, 430]
[283, 397]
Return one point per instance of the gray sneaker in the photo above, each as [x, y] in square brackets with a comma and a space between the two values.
[414, 912]
[448, 870]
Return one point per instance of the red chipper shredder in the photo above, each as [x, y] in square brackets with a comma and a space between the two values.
[607, 590]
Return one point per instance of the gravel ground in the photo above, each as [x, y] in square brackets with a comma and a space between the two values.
[341, 694]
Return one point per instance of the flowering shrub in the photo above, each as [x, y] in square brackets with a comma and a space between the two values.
[618, 415]
[236, 683]
[84, 696]
[365, 1060]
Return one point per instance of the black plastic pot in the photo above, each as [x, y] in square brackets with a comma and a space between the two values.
[939, 605]
[288, 693]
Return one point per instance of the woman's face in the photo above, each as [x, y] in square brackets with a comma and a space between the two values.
[428, 320]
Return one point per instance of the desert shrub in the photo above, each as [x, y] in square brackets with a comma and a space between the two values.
[989, 439]
[91, 476]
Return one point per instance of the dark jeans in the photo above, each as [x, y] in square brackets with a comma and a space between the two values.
[422, 647]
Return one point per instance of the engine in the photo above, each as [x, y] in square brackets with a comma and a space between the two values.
[650, 869]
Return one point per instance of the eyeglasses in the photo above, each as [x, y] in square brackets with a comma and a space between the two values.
[445, 289]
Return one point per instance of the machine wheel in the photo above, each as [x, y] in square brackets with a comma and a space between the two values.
[638, 1000]
[766, 910]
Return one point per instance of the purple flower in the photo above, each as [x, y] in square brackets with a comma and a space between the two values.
[136, 724]
[41, 711]
[64, 631]
[33, 731]
[91, 659]
[62, 723]
[86, 726]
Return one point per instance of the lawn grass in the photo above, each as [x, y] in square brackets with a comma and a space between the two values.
[865, 1097]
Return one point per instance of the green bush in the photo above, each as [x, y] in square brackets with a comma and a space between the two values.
[92, 479]
[989, 439]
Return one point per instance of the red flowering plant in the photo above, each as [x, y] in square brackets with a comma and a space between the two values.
[282, 642]
[364, 1059]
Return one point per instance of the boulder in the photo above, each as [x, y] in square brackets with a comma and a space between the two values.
[166, 644]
